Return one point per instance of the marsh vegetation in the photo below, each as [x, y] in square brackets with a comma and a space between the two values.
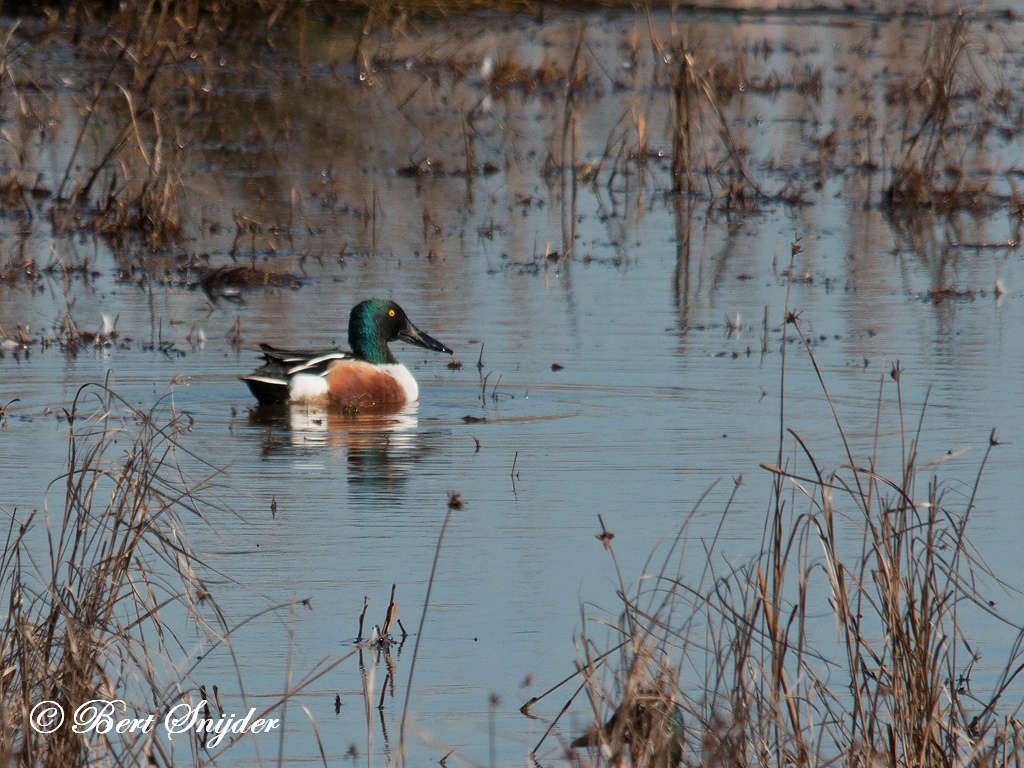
[178, 182]
[826, 646]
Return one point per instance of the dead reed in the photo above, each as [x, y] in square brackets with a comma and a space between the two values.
[139, 168]
[695, 106]
[848, 639]
[90, 582]
[929, 168]
[106, 599]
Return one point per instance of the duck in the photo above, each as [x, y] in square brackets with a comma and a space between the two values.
[650, 722]
[365, 377]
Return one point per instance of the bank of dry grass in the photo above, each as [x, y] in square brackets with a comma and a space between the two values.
[222, 13]
[929, 169]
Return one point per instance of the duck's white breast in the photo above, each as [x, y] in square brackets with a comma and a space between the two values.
[401, 374]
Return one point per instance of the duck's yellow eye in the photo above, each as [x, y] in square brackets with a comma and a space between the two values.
[391, 313]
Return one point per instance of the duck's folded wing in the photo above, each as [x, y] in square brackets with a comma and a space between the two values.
[313, 362]
[270, 382]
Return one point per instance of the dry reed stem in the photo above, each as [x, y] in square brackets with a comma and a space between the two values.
[916, 179]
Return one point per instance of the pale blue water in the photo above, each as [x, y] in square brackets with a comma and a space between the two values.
[658, 408]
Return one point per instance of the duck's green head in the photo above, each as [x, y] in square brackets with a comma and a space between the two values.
[375, 322]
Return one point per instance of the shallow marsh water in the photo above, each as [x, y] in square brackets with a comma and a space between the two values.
[633, 379]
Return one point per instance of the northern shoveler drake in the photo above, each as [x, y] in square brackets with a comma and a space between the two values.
[368, 376]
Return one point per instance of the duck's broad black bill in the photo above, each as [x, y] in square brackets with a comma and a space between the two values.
[414, 335]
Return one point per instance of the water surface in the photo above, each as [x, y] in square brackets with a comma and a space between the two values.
[636, 373]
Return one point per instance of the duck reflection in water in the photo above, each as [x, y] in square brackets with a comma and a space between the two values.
[380, 445]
